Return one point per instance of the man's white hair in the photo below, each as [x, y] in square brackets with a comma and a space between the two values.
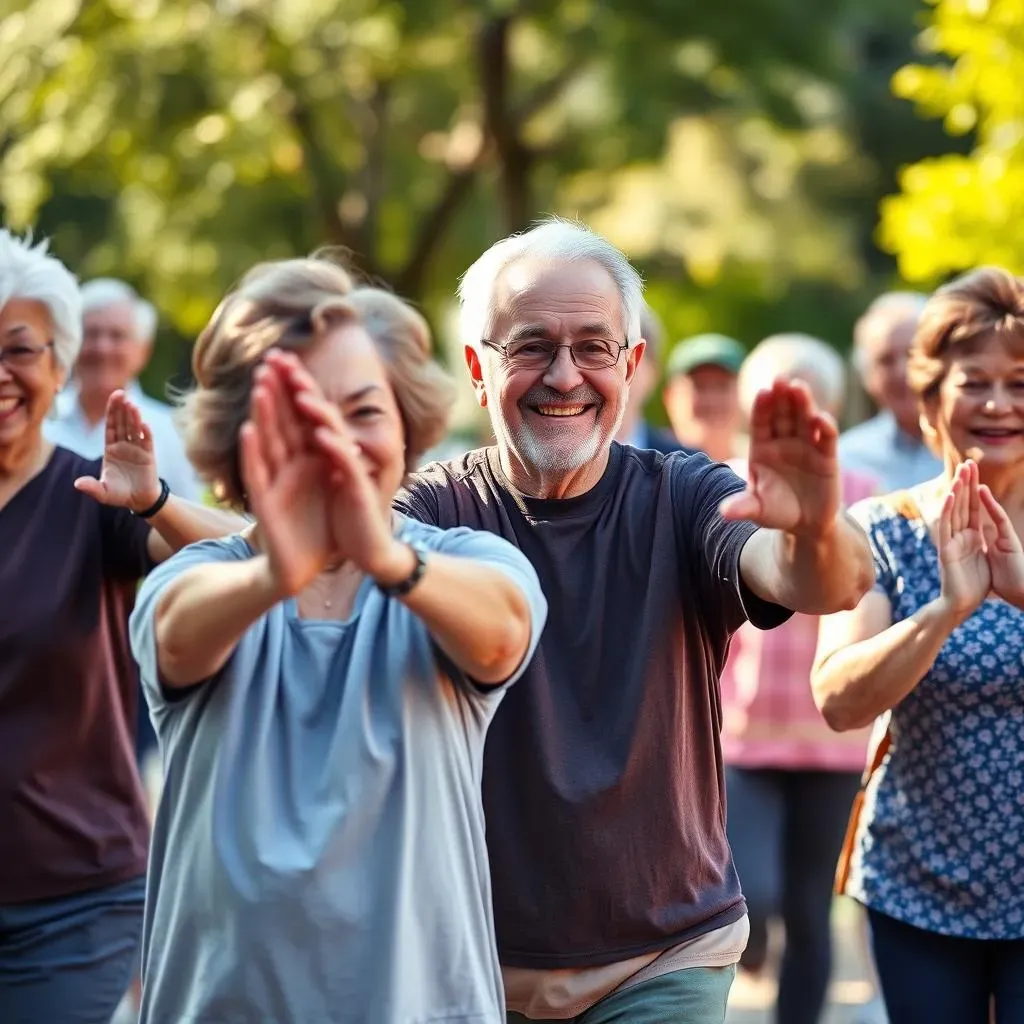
[104, 292]
[146, 320]
[29, 272]
[884, 313]
[551, 239]
[794, 356]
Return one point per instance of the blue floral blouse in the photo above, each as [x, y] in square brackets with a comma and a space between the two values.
[941, 840]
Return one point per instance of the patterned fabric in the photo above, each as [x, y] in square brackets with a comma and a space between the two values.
[941, 839]
[769, 718]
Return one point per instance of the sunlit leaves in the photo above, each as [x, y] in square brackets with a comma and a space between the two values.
[958, 211]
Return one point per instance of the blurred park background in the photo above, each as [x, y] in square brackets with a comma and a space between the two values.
[768, 164]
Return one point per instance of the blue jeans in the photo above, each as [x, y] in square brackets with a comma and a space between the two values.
[786, 829]
[929, 978]
[69, 960]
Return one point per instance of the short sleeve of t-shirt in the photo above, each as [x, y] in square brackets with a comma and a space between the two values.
[714, 543]
[463, 543]
[125, 538]
[490, 550]
[875, 517]
[142, 625]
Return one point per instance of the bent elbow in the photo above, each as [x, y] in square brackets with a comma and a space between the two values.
[506, 649]
[838, 714]
[835, 717]
[863, 579]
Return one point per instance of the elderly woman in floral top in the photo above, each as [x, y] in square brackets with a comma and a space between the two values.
[939, 852]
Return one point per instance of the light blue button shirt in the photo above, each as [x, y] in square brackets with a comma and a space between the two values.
[879, 449]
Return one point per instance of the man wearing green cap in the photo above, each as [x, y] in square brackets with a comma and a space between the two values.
[701, 395]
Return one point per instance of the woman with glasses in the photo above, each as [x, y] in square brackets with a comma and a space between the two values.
[75, 536]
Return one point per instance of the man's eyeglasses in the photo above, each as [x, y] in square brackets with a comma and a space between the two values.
[22, 355]
[536, 354]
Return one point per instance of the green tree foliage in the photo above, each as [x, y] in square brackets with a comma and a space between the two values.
[959, 210]
[177, 142]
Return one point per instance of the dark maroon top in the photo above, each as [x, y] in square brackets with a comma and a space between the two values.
[603, 776]
[72, 809]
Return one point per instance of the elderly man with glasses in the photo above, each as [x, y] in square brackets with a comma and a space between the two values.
[614, 887]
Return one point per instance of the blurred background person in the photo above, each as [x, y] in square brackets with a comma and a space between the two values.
[635, 429]
[76, 536]
[118, 331]
[936, 647]
[701, 395]
[889, 446]
[790, 780]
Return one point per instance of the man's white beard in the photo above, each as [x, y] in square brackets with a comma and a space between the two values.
[546, 460]
[543, 459]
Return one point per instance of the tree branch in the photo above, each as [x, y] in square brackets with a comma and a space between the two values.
[409, 280]
[547, 92]
[375, 168]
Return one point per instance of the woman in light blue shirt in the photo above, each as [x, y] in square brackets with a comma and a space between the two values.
[321, 685]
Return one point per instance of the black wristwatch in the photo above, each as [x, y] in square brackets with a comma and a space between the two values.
[403, 588]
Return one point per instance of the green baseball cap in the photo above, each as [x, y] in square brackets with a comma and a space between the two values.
[705, 350]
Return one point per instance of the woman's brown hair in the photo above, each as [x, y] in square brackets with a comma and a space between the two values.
[985, 304]
[290, 304]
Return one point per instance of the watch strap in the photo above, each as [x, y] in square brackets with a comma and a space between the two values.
[403, 587]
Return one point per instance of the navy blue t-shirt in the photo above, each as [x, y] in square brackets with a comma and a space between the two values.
[603, 778]
[72, 809]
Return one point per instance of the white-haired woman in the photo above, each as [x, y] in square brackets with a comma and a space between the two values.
[790, 780]
[322, 685]
[76, 536]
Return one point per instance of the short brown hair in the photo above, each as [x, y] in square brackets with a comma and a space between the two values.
[983, 305]
[290, 304]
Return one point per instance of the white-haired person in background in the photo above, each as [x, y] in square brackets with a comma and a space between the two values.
[614, 888]
[635, 429]
[118, 331]
[76, 536]
[790, 779]
[889, 446]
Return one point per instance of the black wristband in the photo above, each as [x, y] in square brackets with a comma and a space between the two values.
[165, 493]
[400, 589]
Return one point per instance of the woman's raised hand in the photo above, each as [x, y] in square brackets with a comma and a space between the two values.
[358, 516]
[964, 570]
[286, 485]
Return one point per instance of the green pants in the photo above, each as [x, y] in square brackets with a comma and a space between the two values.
[695, 995]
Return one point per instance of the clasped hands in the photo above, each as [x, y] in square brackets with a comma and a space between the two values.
[315, 503]
[980, 553]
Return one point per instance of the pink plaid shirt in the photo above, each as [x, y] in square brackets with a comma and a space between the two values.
[769, 716]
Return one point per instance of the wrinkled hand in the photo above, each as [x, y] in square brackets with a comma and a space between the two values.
[793, 474]
[359, 522]
[128, 476]
[963, 566]
[286, 488]
[1003, 549]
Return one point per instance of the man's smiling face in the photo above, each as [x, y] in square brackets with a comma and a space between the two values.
[552, 422]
